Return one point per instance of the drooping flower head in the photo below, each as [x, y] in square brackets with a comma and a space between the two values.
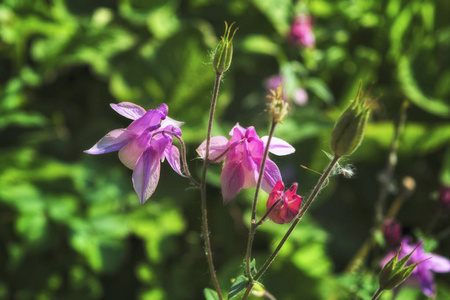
[423, 273]
[301, 32]
[141, 150]
[288, 205]
[243, 159]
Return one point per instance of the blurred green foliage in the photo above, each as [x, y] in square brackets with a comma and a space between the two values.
[71, 226]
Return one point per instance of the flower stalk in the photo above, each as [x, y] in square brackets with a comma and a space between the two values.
[253, 224]
[205, 227]
[297, 219]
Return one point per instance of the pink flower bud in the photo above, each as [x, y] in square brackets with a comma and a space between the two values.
[287, 206]
[392, 233]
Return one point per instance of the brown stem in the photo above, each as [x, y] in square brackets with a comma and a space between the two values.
[297, 219]
[255, 201]
[205, 227]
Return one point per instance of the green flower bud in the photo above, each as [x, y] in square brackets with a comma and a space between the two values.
[349, 129]
[395, 272]
[224, 50]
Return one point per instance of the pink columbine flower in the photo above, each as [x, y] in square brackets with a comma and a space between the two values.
[138, 149]
[423, 273]
[288, 206]
[243, 159]
[301, 32]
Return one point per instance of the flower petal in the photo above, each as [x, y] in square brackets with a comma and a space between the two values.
[128, 110]
[232, 180]
[169, 121]
[426, 282]
[271, 176]
[129, 154]
[278, 146]
[152, 118]
[438, 264]
[217, 146]
[173, 157]
[113, 141]
[146, 174]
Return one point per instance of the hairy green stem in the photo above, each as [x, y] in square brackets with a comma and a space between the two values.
[297, 219]
[205, 228]
[255, 201]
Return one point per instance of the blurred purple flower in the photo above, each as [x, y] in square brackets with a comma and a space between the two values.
[392, 232]
[288, 206]
[423, 273]
[444, 197]
[243, 159]
[300, 96]
[301, 32]
[138, 149]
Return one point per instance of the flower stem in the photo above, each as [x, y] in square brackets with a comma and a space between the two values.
[183, 155]
[297, 219]
[377, 294]
[253, 225]
[203, 190]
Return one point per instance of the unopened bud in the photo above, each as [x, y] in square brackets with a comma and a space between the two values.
[348, 132]
[278, 107]
[224, 50]
[395, 272]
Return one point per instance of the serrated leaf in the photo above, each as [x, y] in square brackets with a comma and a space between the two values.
[238, 286]
[210, 294]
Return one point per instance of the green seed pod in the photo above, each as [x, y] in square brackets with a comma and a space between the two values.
[224, 51]
[348, 132]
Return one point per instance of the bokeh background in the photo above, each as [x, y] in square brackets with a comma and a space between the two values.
[71, 226]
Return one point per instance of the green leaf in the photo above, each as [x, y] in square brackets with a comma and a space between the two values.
[318, 87]
[278, 12]
[412, 91]
[260, 44]
[210, 294]
[240, 284]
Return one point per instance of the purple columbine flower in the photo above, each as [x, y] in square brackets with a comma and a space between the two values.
[423, 273]
[301, 32]
[139, 149]
[243, 160]
[392, 232]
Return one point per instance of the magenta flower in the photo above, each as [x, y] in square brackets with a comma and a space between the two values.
[288, 206]
[243, 159]
[301, 32]
[423, 273]
[139, 149]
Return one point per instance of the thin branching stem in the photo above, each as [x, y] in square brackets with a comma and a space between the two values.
[323, 179]
[205, 227]
[255, 200]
